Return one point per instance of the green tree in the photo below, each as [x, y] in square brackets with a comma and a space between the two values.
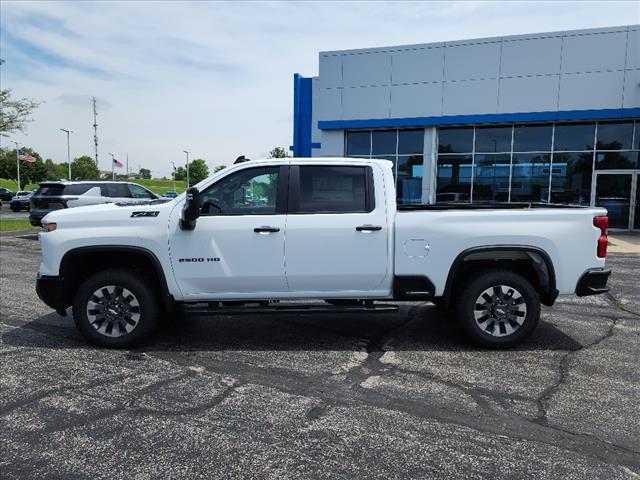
[145, 173]
[198, 170]
[29, 172]
[278, 152]
[181, 174]
[217, 168]
[84, 168]
[14, 113]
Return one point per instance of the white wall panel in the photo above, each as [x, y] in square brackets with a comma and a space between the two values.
[365, 102]
[583, 91]
[470, 97]
[531, 57]
[366, 69]
[330, 69]
[596, 52]
[421, 100]
[633, 49]
[332, 144]
[631, 89]
[479, 60]
[528, 94]
[329, 104]
[415, 66]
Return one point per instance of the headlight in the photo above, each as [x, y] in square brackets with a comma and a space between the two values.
[49, 227]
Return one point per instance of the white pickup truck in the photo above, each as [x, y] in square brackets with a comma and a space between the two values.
[261, 234]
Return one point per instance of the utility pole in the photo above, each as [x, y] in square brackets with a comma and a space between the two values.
[127, 164]
[113, 170]
[18, 164]
[187, 152]
[68, 149]
[95, 128]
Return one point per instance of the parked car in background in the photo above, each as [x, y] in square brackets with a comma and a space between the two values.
[21, 201]
[171, 194]
[6, 194]
[66, 194]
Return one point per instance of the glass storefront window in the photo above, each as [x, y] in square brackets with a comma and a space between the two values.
[358, 143]
[617, 160]
[532, 138]
[530, 177]
[493, 139]
[409, 180]
[571, 178]
[614, 135]
[410, 142]
[491, 177]
[574, 136]
[383, 142]
[455, 140]
[454, 178]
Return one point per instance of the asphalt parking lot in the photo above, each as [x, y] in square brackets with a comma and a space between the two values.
[397, 395]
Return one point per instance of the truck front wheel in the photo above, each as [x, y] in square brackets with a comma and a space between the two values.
[498, 309]
[115, 308]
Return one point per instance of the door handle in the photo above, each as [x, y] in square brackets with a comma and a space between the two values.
[368, 228]
[266, 229]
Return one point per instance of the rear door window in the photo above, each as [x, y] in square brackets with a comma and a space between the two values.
[50, 190]
[329, 189]
[78, 188]
[139, 192]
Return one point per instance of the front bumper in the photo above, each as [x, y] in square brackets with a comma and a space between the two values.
[52, 292]
[593, 282]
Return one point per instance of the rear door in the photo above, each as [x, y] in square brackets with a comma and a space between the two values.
[337, 237]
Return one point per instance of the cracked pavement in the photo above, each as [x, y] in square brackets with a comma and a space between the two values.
[398, 395]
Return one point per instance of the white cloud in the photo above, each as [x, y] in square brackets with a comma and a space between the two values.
[216, 77]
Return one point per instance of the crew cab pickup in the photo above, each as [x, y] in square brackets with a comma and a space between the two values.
[260, 234]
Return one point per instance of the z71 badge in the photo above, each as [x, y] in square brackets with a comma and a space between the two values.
[145, 214]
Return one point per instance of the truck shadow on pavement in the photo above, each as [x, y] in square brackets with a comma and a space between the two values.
[414, 328]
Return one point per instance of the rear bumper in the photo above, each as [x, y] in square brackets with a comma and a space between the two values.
[51, 291]
[593, 282]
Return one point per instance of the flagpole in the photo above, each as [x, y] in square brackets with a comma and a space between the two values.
[113, 171]
[127, 164]
[18, 164]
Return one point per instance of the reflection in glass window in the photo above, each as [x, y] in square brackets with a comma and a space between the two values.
[574, 136]
[332, 189]
[410, 142]
[614, 135]
[493, 139]
[383, 142]
[571, 178]
[409, 180]
[454, 177]
[358, 143]
[532, 138]
[491, 177]
[621, 160]
[530, 177]
[455, 140]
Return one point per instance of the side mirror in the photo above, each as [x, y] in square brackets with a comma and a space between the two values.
[191, 209]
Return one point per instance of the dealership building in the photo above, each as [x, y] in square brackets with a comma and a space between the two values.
[549, 117]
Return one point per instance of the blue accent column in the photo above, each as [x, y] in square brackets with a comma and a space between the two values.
[302, 105]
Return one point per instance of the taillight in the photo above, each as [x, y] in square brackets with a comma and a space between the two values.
[602, 223]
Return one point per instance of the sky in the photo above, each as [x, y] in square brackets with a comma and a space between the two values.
[216, 78]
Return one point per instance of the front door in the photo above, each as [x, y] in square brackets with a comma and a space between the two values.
[618, 193]
[237, 246]
[337, 236]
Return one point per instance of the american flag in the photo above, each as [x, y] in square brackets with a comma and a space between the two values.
[118, 164]
[25, 157]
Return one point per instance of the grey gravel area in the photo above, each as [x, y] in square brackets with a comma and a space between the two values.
[399, 395]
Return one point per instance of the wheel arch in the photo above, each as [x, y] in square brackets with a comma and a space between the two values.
[79, 263]
[533, 262]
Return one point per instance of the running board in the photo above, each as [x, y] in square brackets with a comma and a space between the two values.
[273, 308]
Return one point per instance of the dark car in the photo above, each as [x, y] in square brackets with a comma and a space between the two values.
[21, 201]
[6, 194]
[57, 195]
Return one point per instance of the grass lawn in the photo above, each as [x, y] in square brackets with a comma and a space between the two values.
[13, 224]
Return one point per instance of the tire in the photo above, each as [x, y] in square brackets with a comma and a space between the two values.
[497, 309]
[133, 309]
[14, 208]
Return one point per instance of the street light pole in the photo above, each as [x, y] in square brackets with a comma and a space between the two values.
[18, 163]
[68, 149]
[187, 152]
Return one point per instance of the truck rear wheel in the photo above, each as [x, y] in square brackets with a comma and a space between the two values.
[115, 308]
[498, 309]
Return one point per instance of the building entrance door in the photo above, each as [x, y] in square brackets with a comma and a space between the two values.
[619, 193]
